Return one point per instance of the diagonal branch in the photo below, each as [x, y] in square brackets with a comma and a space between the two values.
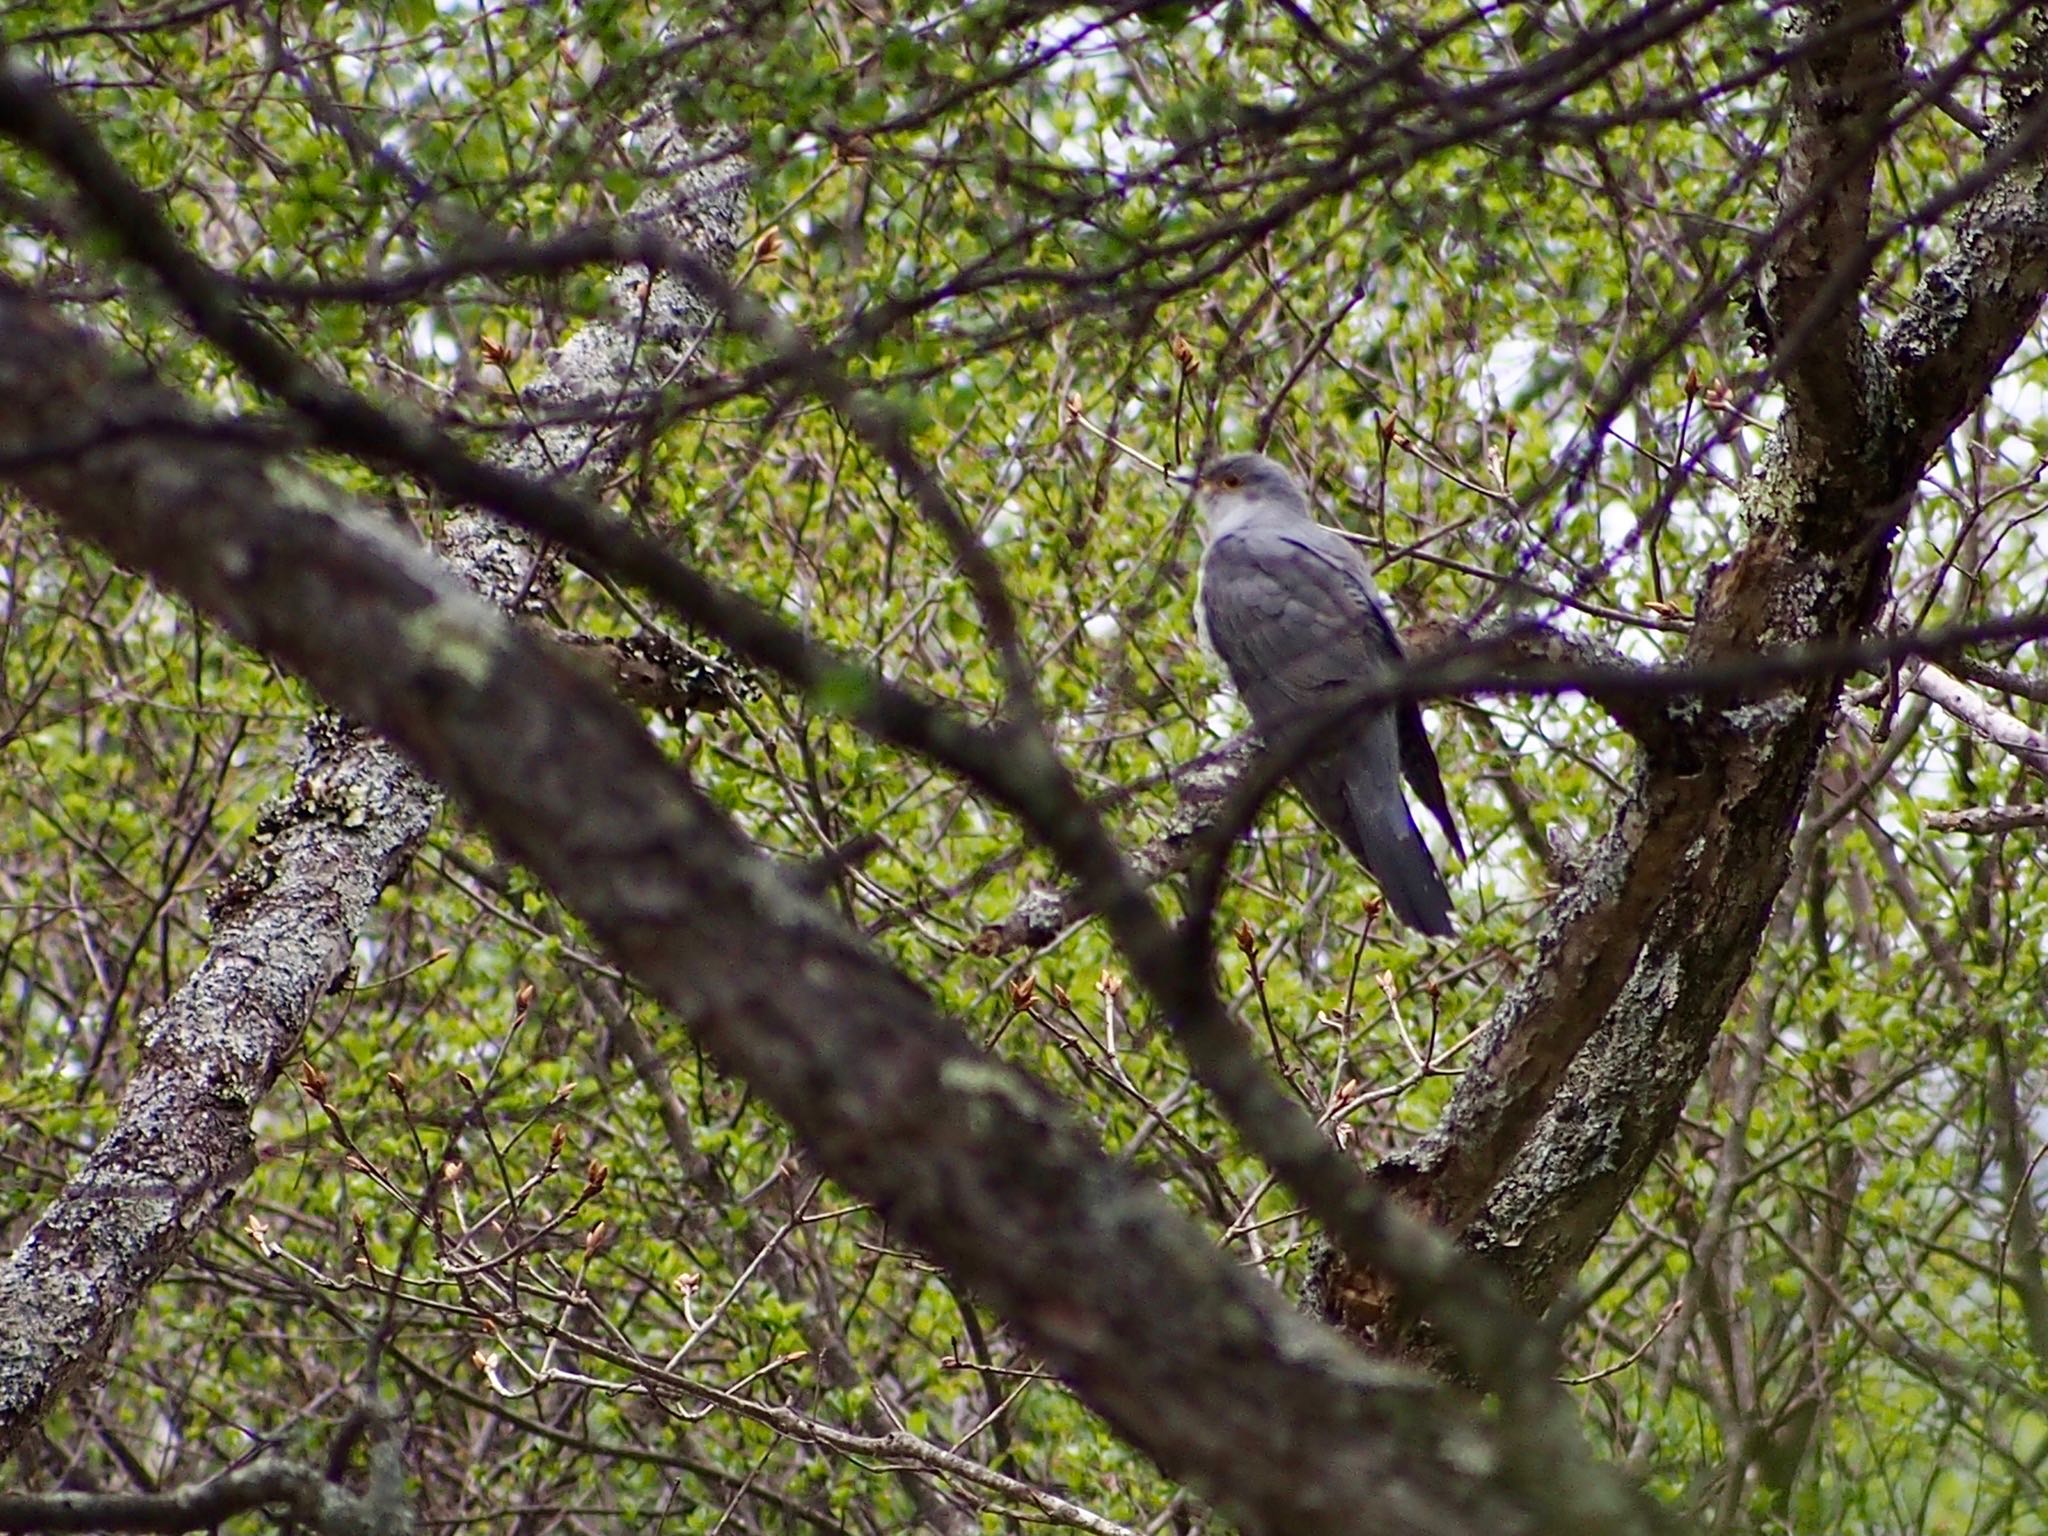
[1200, 1362]
[286, 922]
[1846, 72]
[1685, 879]
[1984, 719]
[1975, 307]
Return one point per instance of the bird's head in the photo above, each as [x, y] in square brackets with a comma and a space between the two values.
[1242, 487]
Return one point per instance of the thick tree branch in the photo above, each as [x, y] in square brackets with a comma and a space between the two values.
[1579, 1076]
[653, 671]
[1971, 311]
[286, 922]
[1845, 74]
[285, 925]
[311, 1500]
[1198, 1361]
[1682, 884]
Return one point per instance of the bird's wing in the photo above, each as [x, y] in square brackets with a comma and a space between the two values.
[1418, 767]
[1290, 622]
[1291, 613]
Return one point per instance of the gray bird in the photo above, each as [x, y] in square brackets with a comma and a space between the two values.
[1289, 608]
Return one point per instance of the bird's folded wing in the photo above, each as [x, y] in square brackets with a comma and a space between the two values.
[1418, 767]
[1418, 758]
[1293, 617]
[1292, 626]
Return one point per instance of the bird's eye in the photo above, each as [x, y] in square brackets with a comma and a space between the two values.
[1230, 482]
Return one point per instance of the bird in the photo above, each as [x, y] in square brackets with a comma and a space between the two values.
[1289, 608]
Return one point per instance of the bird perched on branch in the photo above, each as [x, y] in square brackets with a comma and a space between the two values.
[1289, 608]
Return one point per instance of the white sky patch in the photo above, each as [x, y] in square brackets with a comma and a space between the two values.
[2024, 399]
[1007, 524]
[1618, 521]
[1101, 628]
[1083, 52]
[1720, 458]
[1503, 373]
[1653, 648]
[1116, 148]
[428, 339]
[1225, 717]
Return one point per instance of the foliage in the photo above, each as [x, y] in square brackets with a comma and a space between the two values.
[1504, 338]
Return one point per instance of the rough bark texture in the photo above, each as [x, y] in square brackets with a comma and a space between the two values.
[1194, 1358]
[285, 925]
[1581, 1075]
[287, 920]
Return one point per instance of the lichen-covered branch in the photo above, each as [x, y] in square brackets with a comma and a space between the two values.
[1846, 73]
[1643, 960]
[315, 1502]
[1193, 1357]
[2000, 727]
[287, 920]
[1988, 820]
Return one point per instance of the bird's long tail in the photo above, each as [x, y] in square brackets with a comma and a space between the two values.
[1397, 857]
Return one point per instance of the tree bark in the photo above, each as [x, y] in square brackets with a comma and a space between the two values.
[287, 920]
[1580, 1077]
[1199, 1362]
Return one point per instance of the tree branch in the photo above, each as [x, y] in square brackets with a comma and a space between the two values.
[1984, 820]
[1845, 73]
[1969, 313]
[1685, 879]
[1198, 1361]
[286, 922]
[1983, 718]
[311, 1499]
